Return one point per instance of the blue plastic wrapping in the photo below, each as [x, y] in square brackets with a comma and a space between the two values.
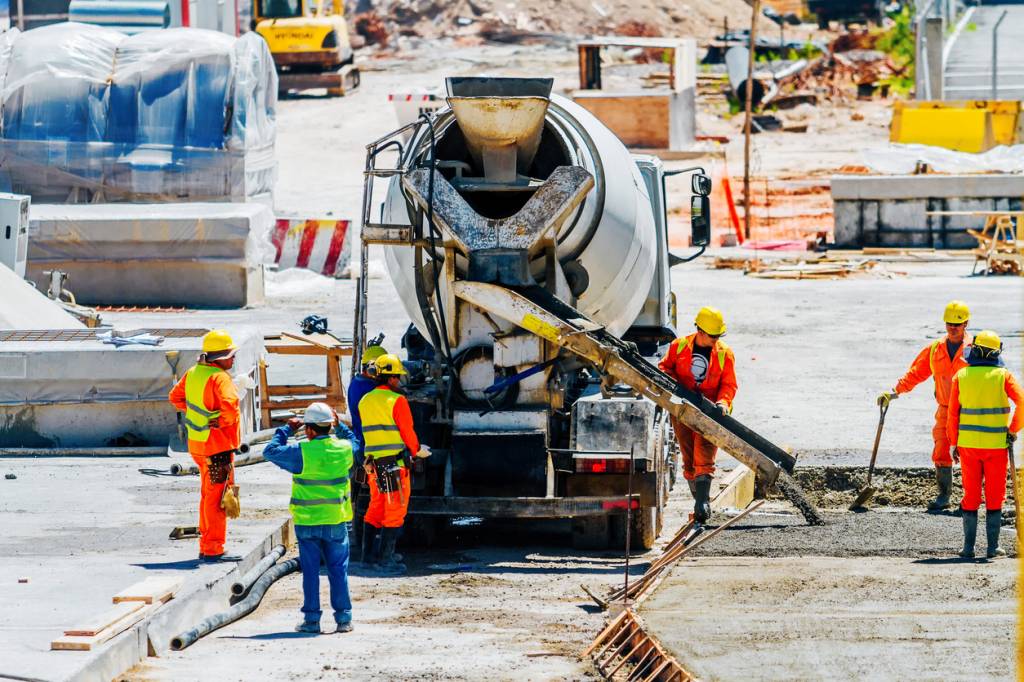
[90, 114]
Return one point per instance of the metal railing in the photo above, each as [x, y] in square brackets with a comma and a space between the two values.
[995, 56]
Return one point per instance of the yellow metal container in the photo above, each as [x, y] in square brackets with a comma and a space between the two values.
[962, 125]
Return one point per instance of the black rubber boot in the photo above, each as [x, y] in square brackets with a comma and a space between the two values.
[369, 537]
[702, 499]
[970, 519]
[944, 482]
[993, 523]
[387, 564]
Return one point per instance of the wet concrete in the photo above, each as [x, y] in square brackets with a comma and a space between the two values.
[743, 618]
[880, 533]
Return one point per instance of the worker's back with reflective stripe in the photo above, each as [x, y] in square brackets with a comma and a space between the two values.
[380, 433]
[197, 417]
[984, 407]
[321, 493]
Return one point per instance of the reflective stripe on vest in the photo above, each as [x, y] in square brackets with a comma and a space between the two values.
[197, 417]
[984, 408]
[321, 492]
[723, 350]
[380, 433]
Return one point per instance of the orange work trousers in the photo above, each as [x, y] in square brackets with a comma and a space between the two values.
[698, 453]
[978, 466]
[388, 510]
[940, 454]
[213, 522]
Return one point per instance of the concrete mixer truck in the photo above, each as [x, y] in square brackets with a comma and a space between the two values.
[530, 251]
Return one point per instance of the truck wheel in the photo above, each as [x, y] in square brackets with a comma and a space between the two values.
[644, 532]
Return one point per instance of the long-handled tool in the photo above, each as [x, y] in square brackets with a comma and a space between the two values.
[172, 357]
[1016, 494]
[867, 492]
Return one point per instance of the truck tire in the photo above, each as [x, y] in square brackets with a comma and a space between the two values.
[645, 523]
[422, 531]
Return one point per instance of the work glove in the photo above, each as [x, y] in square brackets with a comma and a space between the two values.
[887, 397]
[424, 452]
[1011, 438]
[722, 407]
[954, 454]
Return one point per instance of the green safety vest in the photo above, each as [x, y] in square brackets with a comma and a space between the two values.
[984, 408]
[321, 494]
[380, 433]
[197, 417]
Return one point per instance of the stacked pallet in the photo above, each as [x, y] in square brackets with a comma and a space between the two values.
[131, 606]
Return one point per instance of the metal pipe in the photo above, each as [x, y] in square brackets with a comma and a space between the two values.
[85, 452]
[193, 470]
[921, 55]
[747, 120]
[995, 55]
[242, 585]
[239, 610]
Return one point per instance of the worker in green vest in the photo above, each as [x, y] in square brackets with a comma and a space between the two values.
[321, 507]
[980, 427]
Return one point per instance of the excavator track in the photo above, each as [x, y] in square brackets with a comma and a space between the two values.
[537, 310]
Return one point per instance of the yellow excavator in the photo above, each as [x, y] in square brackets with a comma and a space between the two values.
[309, 42]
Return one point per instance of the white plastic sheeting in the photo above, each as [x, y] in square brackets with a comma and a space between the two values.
[22, 306]
[41, 372]
[902, 159]
[90, 114]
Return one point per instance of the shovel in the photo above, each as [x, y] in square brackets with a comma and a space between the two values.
[1016, 497]
[172, 357]
[867, 492]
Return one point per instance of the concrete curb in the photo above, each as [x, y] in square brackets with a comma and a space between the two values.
[153, 635]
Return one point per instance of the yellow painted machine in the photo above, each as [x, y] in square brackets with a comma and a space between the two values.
[309, 42]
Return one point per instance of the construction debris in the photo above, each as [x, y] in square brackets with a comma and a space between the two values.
[823, 267]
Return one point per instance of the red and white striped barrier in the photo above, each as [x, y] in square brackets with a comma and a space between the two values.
[317, 245]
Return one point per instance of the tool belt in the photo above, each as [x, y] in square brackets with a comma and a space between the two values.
[387, 471]
[218, 467]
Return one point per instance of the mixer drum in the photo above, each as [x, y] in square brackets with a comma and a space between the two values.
[608, 247]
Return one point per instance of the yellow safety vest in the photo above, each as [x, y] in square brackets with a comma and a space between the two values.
[380, 433]
[197, 417]
[984, 407]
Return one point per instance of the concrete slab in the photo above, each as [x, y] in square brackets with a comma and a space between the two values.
[825, 618]
[81, 530]
[859, 187]
[24, 307]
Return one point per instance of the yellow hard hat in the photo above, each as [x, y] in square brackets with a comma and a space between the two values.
[956, 313]
[218, 341]
[372, 353]
[389, 364]
[710, 321]
[988, 339]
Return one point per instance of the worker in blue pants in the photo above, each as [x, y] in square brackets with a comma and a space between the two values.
[321, 507]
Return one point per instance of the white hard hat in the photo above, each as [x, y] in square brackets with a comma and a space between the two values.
[319, 414]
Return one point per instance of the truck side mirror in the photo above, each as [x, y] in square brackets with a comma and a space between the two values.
[700, 219]
[700, 184]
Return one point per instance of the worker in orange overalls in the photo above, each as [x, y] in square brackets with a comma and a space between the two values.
[207, 396]
[390, 444]
[702, 362]
[940, 359]
[981, 430]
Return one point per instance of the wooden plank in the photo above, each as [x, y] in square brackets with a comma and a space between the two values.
[637, 120]
[296, 389]
[150, 590]
[737, 491]
[105, 620]
[80, 643]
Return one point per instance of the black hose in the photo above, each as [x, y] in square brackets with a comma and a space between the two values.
[193, 470]
[242, 608]
[242, 585]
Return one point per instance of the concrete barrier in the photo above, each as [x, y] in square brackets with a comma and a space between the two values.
[892, 210]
